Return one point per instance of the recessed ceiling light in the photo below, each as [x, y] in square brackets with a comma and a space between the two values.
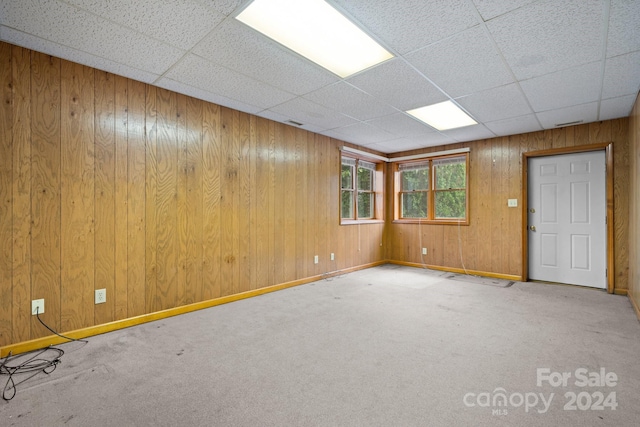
[316, 31]
[443, 116]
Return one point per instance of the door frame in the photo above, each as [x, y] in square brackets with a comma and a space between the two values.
[608, 149]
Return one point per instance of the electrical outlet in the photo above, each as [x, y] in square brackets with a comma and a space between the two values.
[512, 203]
[424, 251]
[37, 306]
[101, 296]
[315, 259]
[332, 256]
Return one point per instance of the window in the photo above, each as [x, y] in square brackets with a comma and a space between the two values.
[361, 190]
[433, 190]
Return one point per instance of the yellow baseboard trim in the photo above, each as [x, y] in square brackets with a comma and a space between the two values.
[38, 343]
[634, 303]
[459, 270]
[622, 292]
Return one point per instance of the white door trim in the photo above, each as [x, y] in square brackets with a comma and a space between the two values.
[608, 148]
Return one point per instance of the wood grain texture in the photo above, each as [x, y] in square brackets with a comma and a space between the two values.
[45, 189]
[211, 152]
[21, 138]
[137, 121]
[194, 201]
[634, 207]
[105, 174]
[77, 196]
[6, 187]
[121, 208]
[165, 227]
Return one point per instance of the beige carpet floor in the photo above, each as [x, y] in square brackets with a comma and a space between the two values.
[387, 346]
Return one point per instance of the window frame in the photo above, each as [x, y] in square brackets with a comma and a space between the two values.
[431, 192]
[376, 189]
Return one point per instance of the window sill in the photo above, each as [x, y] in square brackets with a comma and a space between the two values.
[464, 222]
[361, 221]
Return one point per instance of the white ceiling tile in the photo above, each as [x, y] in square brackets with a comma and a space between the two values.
[200, 73]
[206, 95]
[344, 98]
[469, 133]
[624, 21]
[397, 146]
[408, 25]
[586, 113]
[184, 22]
[41, 45]
[496, 104]
[574, 86]
[276, 117]
[360, 133]
[514, 125]
[615, 108]
[401, 124]
[433, 139]
[396, 83]
[489, 9]
[225, 7]
[621, 75]
[80, 30]
[550, 35]
[463, 64]
[307, 112]
[238, 47]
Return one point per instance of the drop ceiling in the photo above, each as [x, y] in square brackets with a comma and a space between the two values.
[514, 65]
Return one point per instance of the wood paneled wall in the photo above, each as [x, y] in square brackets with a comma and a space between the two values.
[634, 207]
[161, 199]
[492, 242]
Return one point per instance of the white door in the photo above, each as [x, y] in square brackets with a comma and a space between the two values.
[567, 219]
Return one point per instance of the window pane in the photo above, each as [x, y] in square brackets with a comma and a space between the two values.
[414, 205]
[347, 204]
[451, 204]
[415, 180]
[347, 176]
[365, 205]
[365, 179]
[450, 175]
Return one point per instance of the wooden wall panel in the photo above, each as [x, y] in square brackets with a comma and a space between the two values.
[45, 189]
[181, 194]
[77, 196]
[194, 200]
[212, 195]
[105, 170]
[165, 228]
[121, 209]
[137, 147]
[6, 188]
[21, 145]
[634, 207]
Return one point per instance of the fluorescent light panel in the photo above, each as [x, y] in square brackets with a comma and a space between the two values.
[442, 116]
[316, 31]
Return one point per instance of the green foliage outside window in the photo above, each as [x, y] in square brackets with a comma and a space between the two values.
[357, 190]
[450, 194]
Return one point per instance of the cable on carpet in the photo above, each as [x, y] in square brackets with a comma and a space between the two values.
[43, 360]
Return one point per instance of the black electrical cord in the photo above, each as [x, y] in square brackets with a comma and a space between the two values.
[44, 360]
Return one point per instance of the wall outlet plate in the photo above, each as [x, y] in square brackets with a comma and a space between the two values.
[37, 306]
[315, 259]
[424, 251]
[101, 296]
[333, 257]
[512, 203]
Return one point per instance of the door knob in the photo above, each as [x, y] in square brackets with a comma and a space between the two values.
[532, 227]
